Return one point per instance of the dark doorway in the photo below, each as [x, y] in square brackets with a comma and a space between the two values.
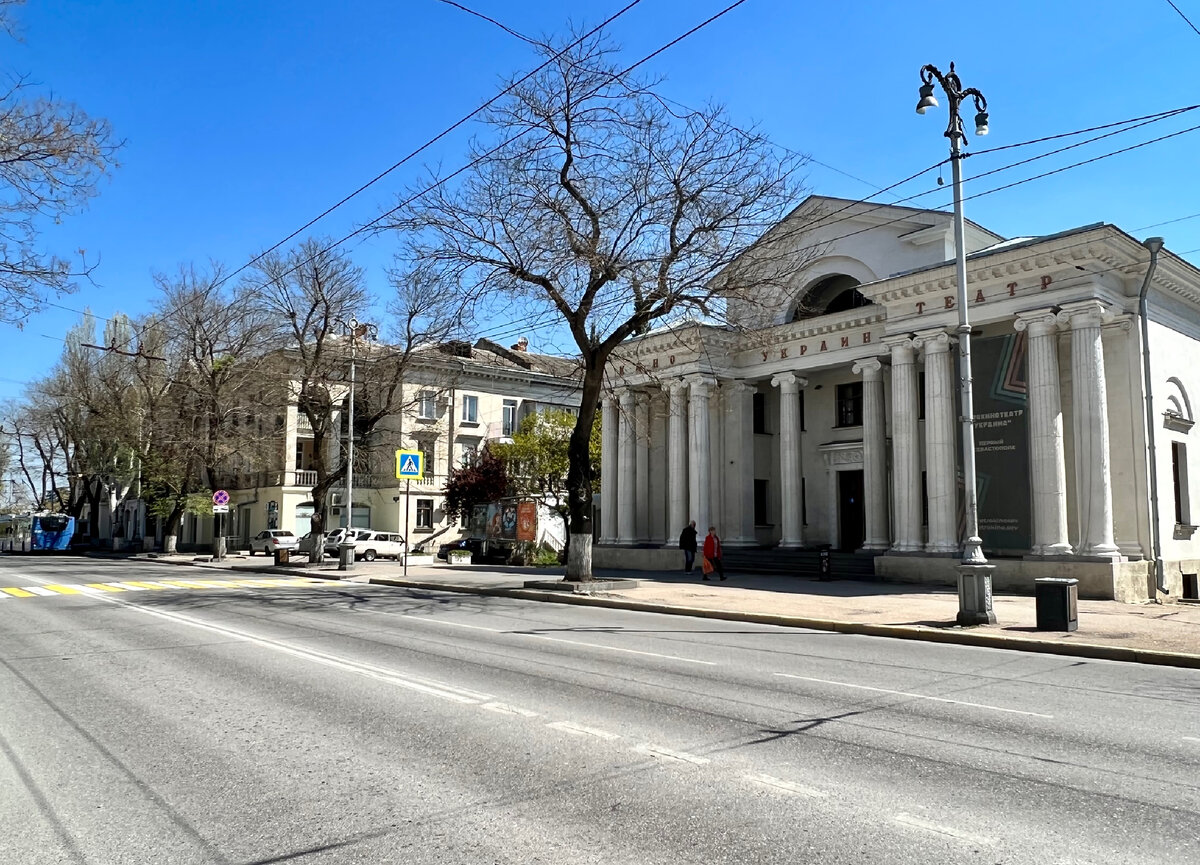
[852, 528]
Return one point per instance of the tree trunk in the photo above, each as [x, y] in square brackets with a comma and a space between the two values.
[579, 474]
[171, 530]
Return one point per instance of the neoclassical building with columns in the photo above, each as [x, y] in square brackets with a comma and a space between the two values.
[826, 412]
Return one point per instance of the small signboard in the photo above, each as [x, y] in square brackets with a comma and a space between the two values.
[220, 509]
[220, 497]
[410, 465]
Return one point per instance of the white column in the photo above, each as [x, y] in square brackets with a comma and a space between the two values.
[660, 532]
[700, 458]
[608, 470]
[941, 477]
[627, 470]
[906, 459]
[789, 385]
[677, 453]
[641, 494]
[739, 464]
[1047, 469]
[874, 454]
[1090, 409]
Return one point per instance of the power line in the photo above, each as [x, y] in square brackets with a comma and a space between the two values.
[1184, 17]
[1167, 222]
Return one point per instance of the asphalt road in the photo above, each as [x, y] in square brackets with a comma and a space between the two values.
[343, 723]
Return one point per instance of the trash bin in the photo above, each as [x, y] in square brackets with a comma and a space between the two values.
[345, 556]
[824, 566]
[1057, 602]
[282, 557]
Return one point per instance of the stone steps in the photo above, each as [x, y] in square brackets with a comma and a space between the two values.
[799, 563]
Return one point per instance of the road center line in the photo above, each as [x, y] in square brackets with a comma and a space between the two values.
[918, 823]
[789, 786]
[668, 754]
[580, 730]
[430, 621]
[914, 696]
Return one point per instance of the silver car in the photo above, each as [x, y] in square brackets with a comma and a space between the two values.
[273, 539]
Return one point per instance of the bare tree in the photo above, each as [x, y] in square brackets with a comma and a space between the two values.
[52, 157]
[309, 296]
[610, 208]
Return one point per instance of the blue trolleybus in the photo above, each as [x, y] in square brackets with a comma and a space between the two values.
[21, 533]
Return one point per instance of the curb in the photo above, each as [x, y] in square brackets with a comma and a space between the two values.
[979, 639]
[903, 632]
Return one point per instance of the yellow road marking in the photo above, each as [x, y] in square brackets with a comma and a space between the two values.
[103, 587]
[154, 586]
[17, 593]
[65, 590]
[185, 584]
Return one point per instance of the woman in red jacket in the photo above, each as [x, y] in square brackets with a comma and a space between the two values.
[712, 551]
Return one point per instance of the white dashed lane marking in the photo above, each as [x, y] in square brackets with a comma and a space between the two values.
[580, 730]
[786, 786]
[668, 754]
[914, 696]
[505, 709]
[950, 831]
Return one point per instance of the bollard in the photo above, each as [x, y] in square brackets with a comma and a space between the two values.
[825, 567]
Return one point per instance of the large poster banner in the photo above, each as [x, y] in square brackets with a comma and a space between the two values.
[1002, 443]
[526, 521]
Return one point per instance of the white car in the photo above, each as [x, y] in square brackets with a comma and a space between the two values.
[375, 545]
[273, 539]
[334, 539]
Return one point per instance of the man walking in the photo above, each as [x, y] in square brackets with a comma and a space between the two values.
[687, 543]
[712, 551]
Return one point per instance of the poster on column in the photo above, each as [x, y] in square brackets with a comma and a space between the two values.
[1002, 443]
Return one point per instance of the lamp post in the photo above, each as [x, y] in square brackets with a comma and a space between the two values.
[974, 574]
[346, 547]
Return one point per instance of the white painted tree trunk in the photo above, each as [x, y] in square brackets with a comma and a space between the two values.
[169, 544]
[579, 558]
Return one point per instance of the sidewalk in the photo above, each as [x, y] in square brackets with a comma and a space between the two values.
[1150, 633]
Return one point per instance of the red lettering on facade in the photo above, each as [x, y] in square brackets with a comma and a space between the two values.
[671, 360]
[1012, 289]
[920, 306]
[803, 349]
[979, 298]
[949, 302]
[824, 347]
[1046, 280]
[845, 342]
[621, 369]
[782, 353]
[866, 337]
[766, 354]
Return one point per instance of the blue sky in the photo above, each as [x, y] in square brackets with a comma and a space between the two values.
[243, 120]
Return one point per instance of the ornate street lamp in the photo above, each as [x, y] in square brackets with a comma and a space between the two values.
[975, 574]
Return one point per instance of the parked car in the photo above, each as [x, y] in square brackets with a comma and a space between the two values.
[482, 550]
[305, 544]
[383, 545]
[270, 540]
[334, 539]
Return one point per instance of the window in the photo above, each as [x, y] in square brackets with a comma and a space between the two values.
[921, 396]
[924, 498]
[427, 409]
[470, 413]
[801, 411]
[760, 415]
[427, 458]
[424, 513]
[849, 404]
[760, 502]
[468, 455]
[804, 501]
[510, 417]
[1179, 475]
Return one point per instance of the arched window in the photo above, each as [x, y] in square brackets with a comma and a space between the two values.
[835, 293]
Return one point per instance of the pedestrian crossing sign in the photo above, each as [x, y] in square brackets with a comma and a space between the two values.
[410, 465]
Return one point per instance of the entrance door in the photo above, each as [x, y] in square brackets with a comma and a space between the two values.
[852, 529]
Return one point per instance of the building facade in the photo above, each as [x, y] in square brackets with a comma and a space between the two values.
[457, 398]
[827, 411]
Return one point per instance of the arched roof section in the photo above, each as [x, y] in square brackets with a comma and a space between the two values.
[826, 283]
